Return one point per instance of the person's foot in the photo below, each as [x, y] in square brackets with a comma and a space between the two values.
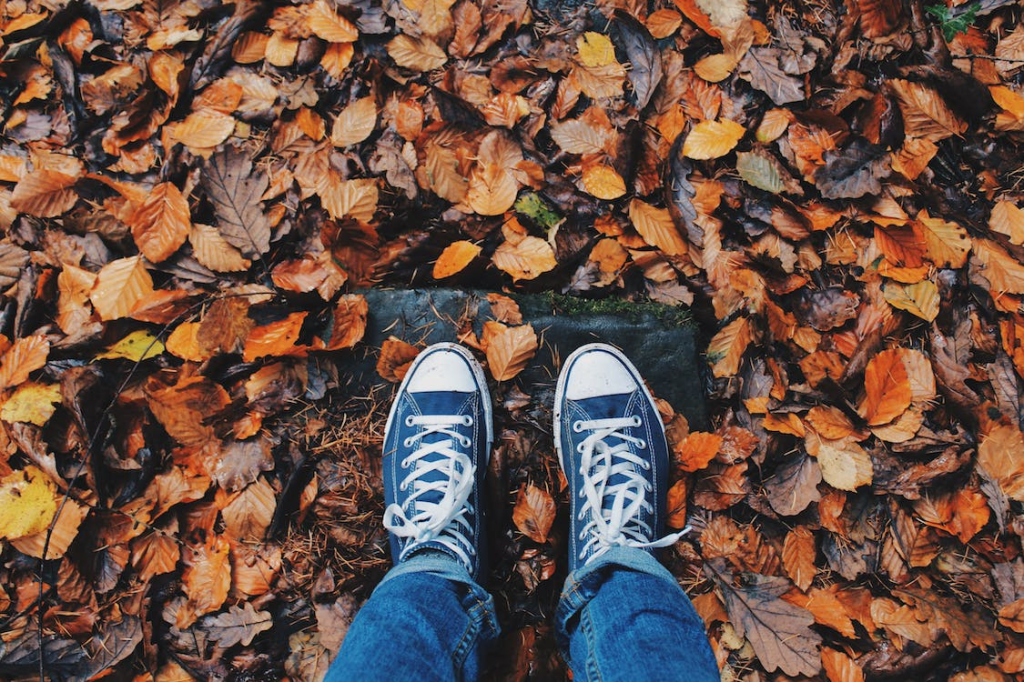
[611, 445]
[437, 442]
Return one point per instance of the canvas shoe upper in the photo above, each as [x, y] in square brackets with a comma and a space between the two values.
[437, 442]
[611, 445]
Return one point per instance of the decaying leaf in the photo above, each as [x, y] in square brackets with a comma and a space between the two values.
[534, 513]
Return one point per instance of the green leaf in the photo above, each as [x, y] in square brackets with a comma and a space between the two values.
[536, 209]
[138, 346]
[760, 172]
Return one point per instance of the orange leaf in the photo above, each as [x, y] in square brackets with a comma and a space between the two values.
[355, 122]
[508, 352]
[349, 323]
[276, 338]
[663, 23]
[207, 576]
[526, 259]
[970, 514]
[838, 666]
[248, 514]
[655, 225]
[603, 182]
[697, 450]
[1012, 616]
[183, 409]
[45, 193]
[328, 25]
[202, 130]
[901, 245]
[830, 422]
[676, 504]
[211, 249]
[534, 513]
[784, 423]
[727, 347]
[183, 342]
[798, 554]
[395, 358]
[28, 354]
[161, 223]
[697, 16]
[887, 388]
[120, 284]
[454, 259]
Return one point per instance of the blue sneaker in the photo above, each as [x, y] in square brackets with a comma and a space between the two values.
[612, 448]
[437, 442]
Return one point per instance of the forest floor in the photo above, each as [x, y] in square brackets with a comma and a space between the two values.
[193, 194]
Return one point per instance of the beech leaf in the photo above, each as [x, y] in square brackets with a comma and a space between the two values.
[235, 191]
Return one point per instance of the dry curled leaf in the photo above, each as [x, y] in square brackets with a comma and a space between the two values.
[509, 351]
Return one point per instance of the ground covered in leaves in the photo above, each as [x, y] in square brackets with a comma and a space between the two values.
[192, 194]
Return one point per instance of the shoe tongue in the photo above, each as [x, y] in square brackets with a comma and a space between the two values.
[605, 406]
[443, 403]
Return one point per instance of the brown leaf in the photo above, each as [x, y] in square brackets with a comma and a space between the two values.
[206, 578]
[697, 450]
[161, 223]
[780, 633]
[248, 514]
[349, 322]
[657, 228]
[396, 356]
[839, 667]
[727, 347]
[798, 554]
[508, 352]
[211, 249]
[274, 339]
[534, 512]
[225, 326]
[879, 18]
[887, 388]
[45, 193]
[794, 485]
[235, 191]
[528, 258]
[25, 356]
[355, 122]
[239, 625]
[925, 114]
[119, 285]
[183, 409]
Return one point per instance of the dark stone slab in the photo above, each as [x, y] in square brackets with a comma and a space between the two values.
[660, 340]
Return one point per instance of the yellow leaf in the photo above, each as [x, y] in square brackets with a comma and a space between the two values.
[717, 67]
[844, 464]
[727, 347]
[526, 259]
[921, 299]
[65, 530]
[27, 503]
[595, 49]
[31, 403]
[655, 225]
[773, 124]
[138, 346]
[509, 351]
[281, 50]
[1007, 219]
[355, 122]
[455, 257]
[416, 54]
[119, 286]
[203, 129]
[712, 139]
[1004, 273]
[603, 182]
[352, 198]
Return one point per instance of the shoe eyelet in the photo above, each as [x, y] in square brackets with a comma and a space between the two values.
[579, 517]
[467, 420]
[582, 536]
[466, 442]
[403, 486]
[646, 465]
[648, 487]
[582, 494]
[579, 448]
[577, 426]
[642, 444]
[637, 421]
[405, 463]
[407, 442]
[408, 420]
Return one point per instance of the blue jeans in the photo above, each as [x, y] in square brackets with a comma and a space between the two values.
[621, 617]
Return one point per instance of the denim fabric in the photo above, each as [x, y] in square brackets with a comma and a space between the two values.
[427, 620]
[622, 617]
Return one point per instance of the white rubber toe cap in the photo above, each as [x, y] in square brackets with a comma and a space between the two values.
[597, 373]
[443, 370]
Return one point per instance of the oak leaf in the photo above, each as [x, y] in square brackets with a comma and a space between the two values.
[239, 625]
[534, 513]
[509, 351]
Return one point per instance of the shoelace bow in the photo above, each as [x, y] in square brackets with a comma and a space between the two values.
[619, 524]
[443, 521]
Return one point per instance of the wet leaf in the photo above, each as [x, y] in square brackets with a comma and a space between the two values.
[534, 513]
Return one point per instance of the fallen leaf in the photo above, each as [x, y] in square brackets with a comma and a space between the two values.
[534, 513]
[509, 351]
[355, 123]
[655, 225]
[396, 356]
[527, 259]
[239, 625]
[137, 346]
[32, 403]
[887, 388]
[712, 139]
[27, 503]
[725, 352]
[603, 182]
[235, 190]
[25, 356]
[697, 450]
[455, 257]
[45, 193]
[798, 555]
[844, 464]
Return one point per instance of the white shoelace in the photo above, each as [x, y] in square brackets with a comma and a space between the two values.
[619, 525]
[445, 521]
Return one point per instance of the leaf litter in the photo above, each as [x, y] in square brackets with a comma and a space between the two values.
[192, 196]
